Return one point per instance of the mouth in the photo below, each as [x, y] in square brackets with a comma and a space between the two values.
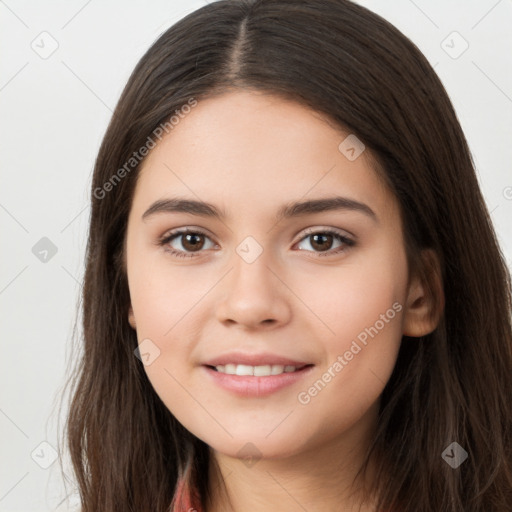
[266, 370]
[257, 381]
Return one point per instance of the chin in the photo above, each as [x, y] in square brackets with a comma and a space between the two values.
[252, 444]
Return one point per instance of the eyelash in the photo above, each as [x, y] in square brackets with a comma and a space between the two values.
[166, 239]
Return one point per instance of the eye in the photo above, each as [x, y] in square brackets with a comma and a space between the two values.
[193, 241]
[190, 240]
[322, 241]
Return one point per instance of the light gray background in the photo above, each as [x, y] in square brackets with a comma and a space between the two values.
[54, 112]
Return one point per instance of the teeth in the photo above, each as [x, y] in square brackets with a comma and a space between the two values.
[276, 369]
[257, 371]
[261, 371]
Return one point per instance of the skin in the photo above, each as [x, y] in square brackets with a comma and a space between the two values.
[249, 154]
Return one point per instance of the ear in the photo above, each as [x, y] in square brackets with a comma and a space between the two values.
[131, 318]
[425, 297]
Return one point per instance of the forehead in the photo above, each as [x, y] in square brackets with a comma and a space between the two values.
[247, 151]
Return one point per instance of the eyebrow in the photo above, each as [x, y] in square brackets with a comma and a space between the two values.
[289, 210]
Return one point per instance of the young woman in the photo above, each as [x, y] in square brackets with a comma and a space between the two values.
[294, 298]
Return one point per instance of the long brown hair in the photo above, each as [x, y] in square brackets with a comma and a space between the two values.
[453, 385]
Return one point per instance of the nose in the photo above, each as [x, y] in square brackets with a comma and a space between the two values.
[254, 295]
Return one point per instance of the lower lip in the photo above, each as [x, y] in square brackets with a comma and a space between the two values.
[250, 386]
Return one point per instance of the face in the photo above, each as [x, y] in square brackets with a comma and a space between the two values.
[266, 323]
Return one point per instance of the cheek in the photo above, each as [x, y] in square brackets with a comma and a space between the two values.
[359, 359]
[167, 303]
[163, 297]
[362, 308]
[349, 299]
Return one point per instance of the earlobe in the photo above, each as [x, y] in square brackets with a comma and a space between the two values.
[425, 299]
[131, 318]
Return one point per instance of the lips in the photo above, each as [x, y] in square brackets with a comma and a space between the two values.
[256, 381]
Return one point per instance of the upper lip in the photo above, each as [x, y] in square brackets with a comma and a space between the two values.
[261, 359]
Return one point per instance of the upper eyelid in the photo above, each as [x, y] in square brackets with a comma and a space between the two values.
[339, 231]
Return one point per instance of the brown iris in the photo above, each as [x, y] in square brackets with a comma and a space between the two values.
[321, 245]
[192, 241]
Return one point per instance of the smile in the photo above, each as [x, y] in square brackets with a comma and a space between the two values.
[256, 371]
[256, 381]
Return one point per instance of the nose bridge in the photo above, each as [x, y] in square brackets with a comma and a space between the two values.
[252, 265]
[252, 293]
